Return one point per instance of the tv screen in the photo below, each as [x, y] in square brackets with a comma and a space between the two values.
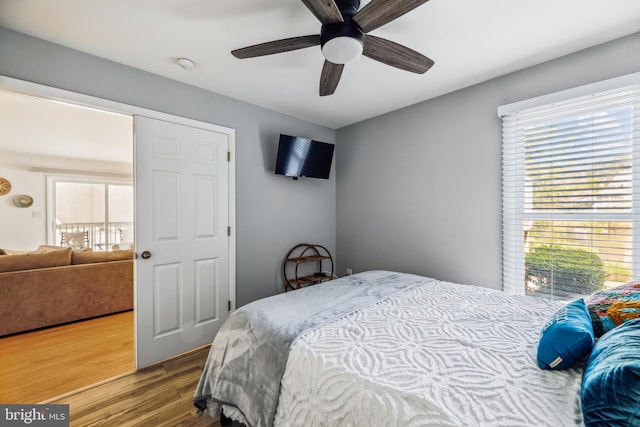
[301, 157]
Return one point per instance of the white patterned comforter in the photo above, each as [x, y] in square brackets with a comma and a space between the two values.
[441, 354]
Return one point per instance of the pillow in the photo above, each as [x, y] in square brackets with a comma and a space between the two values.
[566, 338]
[611, 381]
[612, 307]
[33, 260]
[122, 246]
[88, 257]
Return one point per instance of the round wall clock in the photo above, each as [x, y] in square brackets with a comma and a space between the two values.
[5, 186]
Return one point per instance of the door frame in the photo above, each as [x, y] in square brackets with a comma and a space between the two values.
[55, 94]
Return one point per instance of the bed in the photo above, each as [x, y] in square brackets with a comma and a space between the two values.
[389, 349]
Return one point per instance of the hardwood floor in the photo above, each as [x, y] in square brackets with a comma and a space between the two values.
[160, 395]
[89, 365]
[40, 365]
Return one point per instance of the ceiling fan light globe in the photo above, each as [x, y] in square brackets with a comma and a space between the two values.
[342, 50]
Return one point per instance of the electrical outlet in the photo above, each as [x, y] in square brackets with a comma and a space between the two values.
[349, 272]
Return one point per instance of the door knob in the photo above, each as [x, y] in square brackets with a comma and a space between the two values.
[146, 255]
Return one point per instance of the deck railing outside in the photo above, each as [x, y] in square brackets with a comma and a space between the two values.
[102, 236]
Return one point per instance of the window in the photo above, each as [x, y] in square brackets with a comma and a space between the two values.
[571, 193]
[99, 208]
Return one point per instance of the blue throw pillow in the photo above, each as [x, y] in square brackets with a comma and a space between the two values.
[566, 338]
[611, 380]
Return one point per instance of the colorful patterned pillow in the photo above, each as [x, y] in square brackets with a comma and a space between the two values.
[612, 307]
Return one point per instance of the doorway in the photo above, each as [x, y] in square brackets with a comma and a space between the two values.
[183, 285]
[49, 149]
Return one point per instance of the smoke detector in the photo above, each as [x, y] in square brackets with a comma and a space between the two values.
[186, 63]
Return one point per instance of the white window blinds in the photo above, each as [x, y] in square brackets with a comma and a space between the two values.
[571, 187]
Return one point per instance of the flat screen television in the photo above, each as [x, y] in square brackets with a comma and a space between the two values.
[302, 157]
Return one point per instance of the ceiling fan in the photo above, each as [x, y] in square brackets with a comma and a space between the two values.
[344, 37]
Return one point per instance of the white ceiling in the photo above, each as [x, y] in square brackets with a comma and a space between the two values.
[469, 40]
[47, 128]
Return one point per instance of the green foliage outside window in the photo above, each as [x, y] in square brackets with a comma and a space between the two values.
[560, 270]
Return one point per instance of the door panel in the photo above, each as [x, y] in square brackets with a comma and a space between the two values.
[166, 194]
[205, 207]
[182, 213]
[206, 303]
[167, 292]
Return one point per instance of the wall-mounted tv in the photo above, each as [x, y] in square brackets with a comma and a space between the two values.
[302, 157]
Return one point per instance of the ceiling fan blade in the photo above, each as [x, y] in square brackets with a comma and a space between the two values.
[396, 55]
[326, 11]
[277, 46]
[381, 12]
[330, 77]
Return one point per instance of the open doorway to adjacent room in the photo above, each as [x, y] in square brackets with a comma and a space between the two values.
[70, 169]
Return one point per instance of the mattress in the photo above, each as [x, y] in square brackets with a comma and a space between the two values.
[440, 354]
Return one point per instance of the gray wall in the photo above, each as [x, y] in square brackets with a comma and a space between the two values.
[273, 213]
[419, 189]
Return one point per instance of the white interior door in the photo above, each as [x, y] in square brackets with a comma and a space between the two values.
[182, 220]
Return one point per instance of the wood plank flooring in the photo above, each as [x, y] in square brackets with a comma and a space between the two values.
[39, 365]
[89, 365]
[158, 396]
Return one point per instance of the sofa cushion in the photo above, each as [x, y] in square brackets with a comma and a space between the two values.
[12, 252]
[48, 248]
[33, 260]
[84, 257]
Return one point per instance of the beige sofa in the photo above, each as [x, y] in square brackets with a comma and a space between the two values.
[52, 286]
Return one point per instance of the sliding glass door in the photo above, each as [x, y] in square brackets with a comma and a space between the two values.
[91, 212]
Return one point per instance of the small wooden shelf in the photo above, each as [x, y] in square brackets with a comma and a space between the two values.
[302, 254]
[299, 260]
